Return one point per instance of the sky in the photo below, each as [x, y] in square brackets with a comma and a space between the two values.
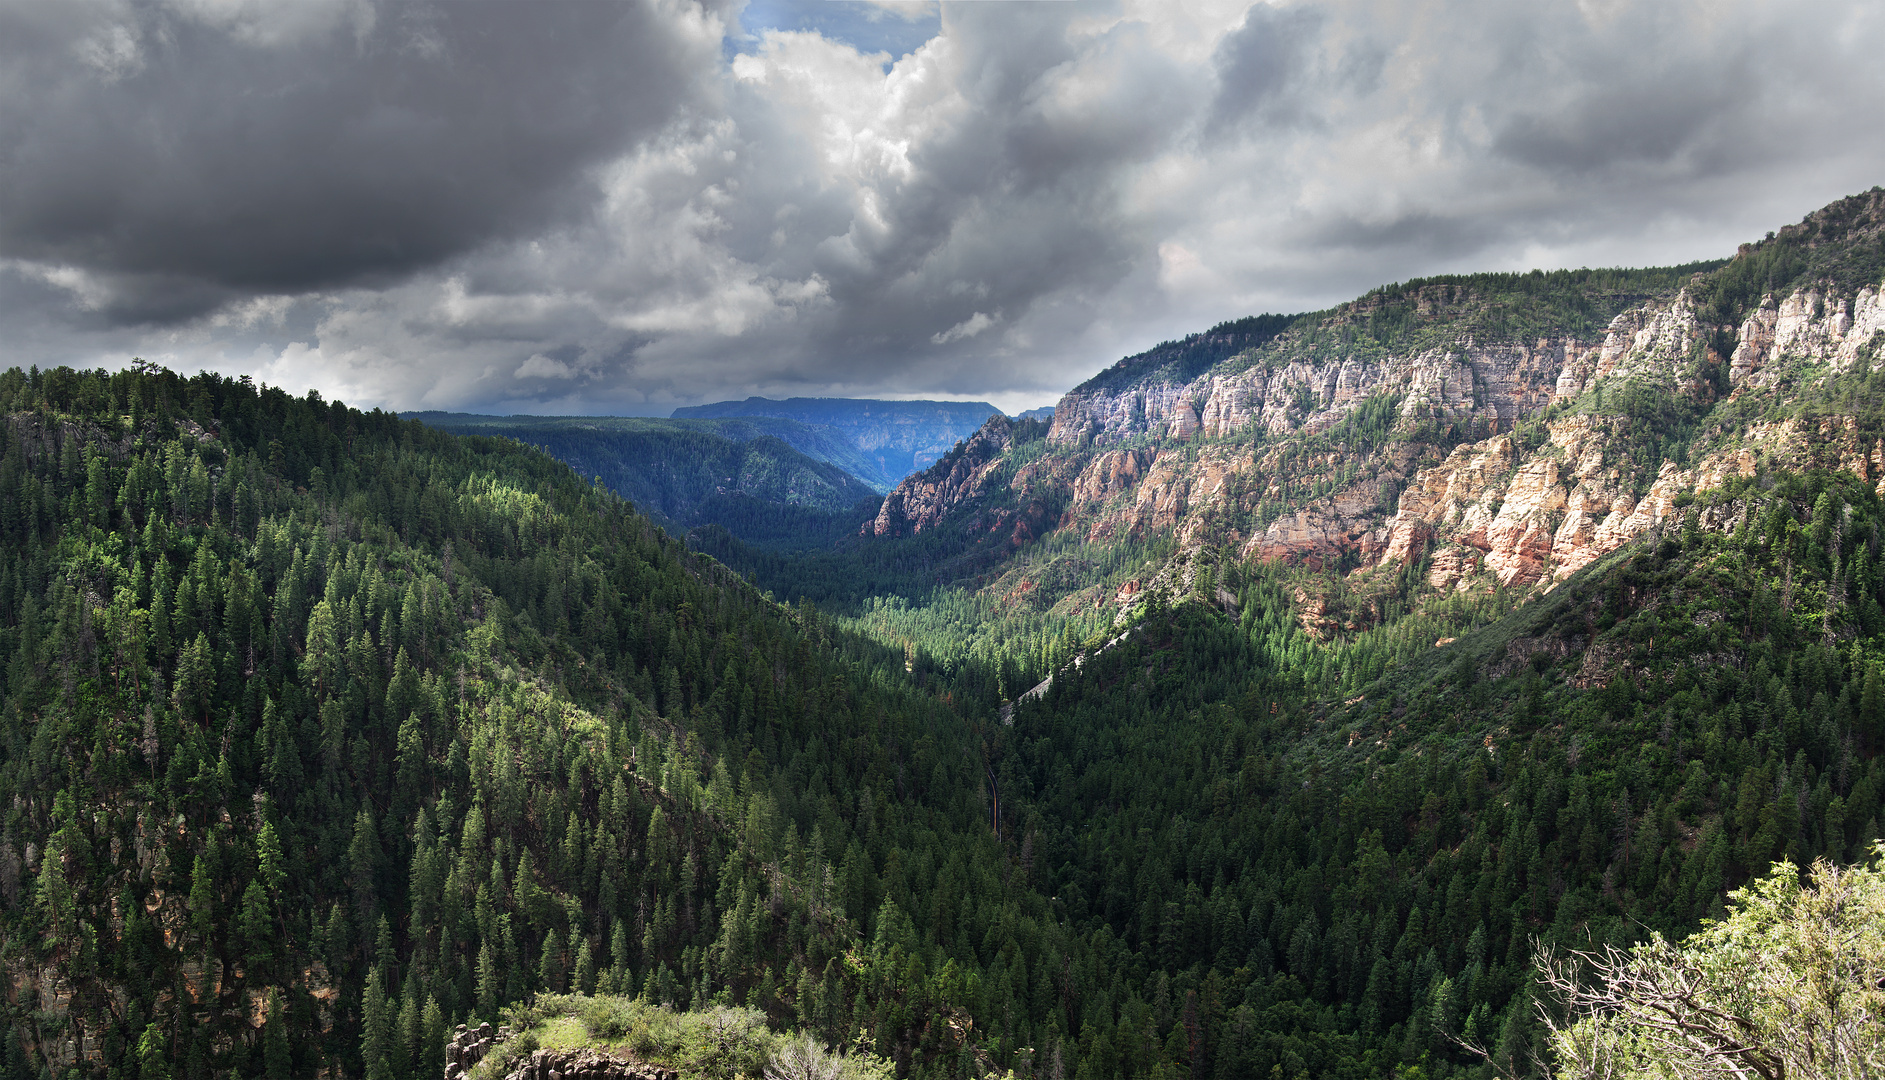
[621, 207]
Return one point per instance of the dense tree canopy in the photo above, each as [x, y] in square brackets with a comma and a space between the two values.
[322, 732]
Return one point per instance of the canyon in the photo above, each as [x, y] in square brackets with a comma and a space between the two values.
[1499, 462]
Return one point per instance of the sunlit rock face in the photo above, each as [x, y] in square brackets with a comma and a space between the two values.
[1499, 383]
[1198, 458]
[1256, 454]
[923, 499]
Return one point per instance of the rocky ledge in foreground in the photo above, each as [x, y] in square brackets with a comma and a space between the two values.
[470, 1045]
[585, 1064]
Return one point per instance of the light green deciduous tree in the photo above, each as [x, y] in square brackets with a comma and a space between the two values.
[1789, 986]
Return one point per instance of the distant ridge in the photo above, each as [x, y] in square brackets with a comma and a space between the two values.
[901, 437]
[684, 472]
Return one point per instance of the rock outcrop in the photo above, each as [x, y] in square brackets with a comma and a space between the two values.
[1544, 515]
[923, 499]
[585, 1064]
[1498, 384]
[1214, 459]
[1252, 453]
[1806, 325]
[468, 1046]
[962, 475]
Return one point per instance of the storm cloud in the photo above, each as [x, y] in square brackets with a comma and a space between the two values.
[189, 155]
[623, 207]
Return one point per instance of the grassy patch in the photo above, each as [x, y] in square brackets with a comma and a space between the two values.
[716, 1042]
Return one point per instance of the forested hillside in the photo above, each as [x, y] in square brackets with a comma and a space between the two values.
[1337, 884]
[896, 437]
[325, 731]
[772, 481]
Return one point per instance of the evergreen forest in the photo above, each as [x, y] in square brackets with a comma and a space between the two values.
[323, 732]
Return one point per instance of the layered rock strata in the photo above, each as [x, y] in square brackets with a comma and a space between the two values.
[1807, 325]
[1499, 384]
[1197, 459]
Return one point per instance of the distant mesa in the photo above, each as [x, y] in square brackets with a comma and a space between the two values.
[1045, 412]
[900, 437]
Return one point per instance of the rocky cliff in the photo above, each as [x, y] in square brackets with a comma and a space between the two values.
[1418, 423]
[979, 487]
[1497, 383]
[961, 476]
[1542, 514]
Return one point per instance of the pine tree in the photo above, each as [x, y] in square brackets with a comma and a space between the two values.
[14, 1065]
[256, 924]
[153, 1053]
[490, 980]
[432, 1034]
[550, 970]
[203, 888]
[376, 1029]
[277, 1062]
[410, 1029]
[585, 973]
[363, 861]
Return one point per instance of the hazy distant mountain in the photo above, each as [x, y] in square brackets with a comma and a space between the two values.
[899, 436]
[687, 471]
[1045, 412]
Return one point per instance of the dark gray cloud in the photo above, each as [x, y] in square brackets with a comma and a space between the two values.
[1422, 234]
[1585, 103]
[624, 207]
[188, 156]
[1257, 63]
[1008, 195]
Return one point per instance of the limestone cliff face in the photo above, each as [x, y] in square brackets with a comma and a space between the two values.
[1545, 514]
[1497, 383]
[1563, 507]
[1806, 325]
[1652, 342]
[1542, 516]
[1202, 456]
[1252, 456]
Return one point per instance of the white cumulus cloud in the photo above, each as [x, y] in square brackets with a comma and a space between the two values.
[576, 207]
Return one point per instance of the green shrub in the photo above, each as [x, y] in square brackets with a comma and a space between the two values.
[1790, 984]
[724, 1042]
[615, 1018]
[802, 1058]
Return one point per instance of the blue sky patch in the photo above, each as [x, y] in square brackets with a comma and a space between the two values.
[866, 27]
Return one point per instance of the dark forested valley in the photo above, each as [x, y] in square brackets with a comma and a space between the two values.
[323, 732]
